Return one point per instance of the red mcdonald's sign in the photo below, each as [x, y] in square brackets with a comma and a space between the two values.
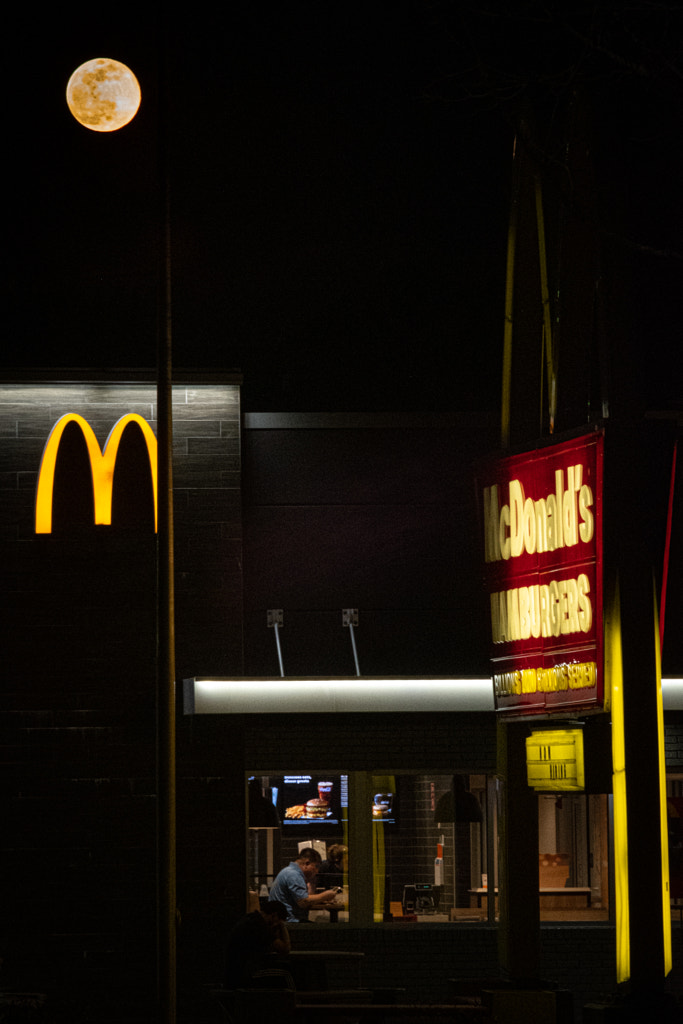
[543, 571]
[102, 463]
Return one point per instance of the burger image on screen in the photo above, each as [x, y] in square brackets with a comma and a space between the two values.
[381, 807]
[317, 808]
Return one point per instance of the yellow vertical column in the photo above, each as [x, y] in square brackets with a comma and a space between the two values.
[360, 850]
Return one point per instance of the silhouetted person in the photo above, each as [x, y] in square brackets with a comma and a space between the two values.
[331, 873]
[259, 933]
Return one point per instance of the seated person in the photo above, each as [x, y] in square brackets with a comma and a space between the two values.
[331, 871]
[295, 886]
[260, 932]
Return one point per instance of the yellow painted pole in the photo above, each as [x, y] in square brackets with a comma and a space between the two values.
[545, 301]
[509, 301]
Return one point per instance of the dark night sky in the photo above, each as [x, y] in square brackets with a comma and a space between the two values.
[340, 181]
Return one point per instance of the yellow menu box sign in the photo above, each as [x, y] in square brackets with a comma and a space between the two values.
[554, 760]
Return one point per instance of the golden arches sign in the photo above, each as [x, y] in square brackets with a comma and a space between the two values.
[102, 463]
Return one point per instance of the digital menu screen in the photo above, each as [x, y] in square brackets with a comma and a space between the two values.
[311, 800]
[321, 800]
[384, 808]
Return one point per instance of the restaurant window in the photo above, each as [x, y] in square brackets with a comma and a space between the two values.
[674, 808]
[288, 812]
[426, 844]
[433, 857]
[573, 856]
[423, 845]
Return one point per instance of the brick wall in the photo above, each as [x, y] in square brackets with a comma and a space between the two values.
[78, 727]
[370, 512]
[421, 960]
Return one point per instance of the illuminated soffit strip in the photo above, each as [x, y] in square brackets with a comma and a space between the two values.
[672, 694]
[301, 696]
[365, 694]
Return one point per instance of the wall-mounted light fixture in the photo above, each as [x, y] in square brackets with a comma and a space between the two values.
[211, 696]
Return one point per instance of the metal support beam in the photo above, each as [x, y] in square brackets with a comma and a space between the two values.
[166, 738]
[350, 620]
[275, 619]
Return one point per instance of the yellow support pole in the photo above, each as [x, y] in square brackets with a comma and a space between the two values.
[509, 301]
[545, 301]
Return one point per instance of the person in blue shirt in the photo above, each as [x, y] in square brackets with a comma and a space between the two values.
[295, 887]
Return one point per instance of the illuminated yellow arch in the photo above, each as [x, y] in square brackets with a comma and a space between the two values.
[102, 463]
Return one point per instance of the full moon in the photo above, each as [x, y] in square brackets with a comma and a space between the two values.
[103, 94]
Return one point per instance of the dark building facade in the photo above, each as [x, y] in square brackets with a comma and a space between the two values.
[310, 516]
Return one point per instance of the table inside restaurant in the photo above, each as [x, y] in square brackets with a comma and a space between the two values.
[551, 897]
[330, 913]
[310, 967]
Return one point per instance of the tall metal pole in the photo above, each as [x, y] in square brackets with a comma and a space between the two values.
[166, 766]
